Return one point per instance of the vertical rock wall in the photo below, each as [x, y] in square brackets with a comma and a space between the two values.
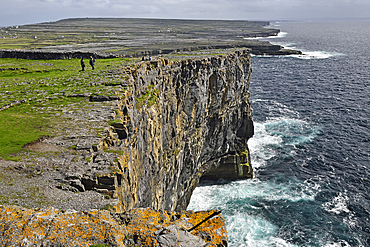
[182, 120]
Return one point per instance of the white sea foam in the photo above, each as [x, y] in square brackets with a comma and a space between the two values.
[338, 204]
[260, 145]
[249, 191]
[341, 243]
[279, 35]
[293, 131]
[248, 230]
[243, 201]
[238, 199]
[316, 55]
[306, 54]
[278, 133]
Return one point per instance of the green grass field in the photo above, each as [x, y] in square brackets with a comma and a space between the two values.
[44, 85]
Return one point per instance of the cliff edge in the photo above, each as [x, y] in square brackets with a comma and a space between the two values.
[175, 122]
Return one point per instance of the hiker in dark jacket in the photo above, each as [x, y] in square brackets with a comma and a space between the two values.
[82, 64]
[92, 62]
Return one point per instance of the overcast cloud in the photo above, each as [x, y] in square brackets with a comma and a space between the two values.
[17, 12]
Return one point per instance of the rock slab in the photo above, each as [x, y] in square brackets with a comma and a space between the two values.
[137, 227]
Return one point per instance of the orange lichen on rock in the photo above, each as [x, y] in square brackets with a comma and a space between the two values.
[212, 227]
[137, 227]
[50, 226]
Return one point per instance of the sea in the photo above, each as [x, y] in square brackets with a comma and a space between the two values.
[311, 147]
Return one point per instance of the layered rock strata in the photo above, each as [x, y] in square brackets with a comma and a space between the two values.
[180, 121]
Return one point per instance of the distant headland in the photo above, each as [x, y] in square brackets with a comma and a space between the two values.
[129, 37]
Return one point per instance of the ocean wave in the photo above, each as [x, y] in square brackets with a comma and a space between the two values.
[338, 204]
[316, 55]
[292, 131]
[279, 134]
[249, 230]
[280, 35]
[243, 203]
[341, 243]
[276, 109]
[251, 193]
[306, 54]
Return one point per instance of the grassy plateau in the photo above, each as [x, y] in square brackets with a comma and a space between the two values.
[43, 86]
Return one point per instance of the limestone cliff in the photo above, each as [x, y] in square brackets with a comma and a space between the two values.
[182, 120]
[178, 122]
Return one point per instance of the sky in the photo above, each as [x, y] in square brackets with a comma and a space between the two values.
[19, 12]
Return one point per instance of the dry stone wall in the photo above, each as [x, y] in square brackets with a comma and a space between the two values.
[47, 54]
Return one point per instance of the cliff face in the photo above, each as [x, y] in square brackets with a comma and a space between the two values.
[177, 122]
[180, 121]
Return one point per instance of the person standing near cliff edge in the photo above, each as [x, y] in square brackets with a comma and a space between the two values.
[82, 64]
[92, 62]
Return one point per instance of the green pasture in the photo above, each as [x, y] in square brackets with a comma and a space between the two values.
[27, 122]
[43, 85]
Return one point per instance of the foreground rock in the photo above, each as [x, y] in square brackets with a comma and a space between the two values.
[137, 227]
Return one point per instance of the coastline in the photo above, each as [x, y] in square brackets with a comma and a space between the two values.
[126, 126]
[134, 38]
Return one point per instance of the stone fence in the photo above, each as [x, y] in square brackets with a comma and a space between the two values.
[46, 54]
